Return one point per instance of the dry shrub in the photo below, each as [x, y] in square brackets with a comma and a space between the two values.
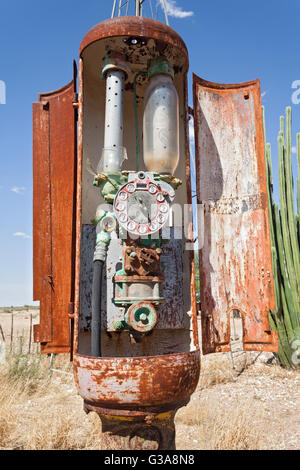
[235, 429]
[274, 371]
[216, 428]
[40, 409]
[61, 428]
[6, 417]
[217, 369]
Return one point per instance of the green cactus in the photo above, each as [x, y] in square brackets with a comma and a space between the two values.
[285, 242]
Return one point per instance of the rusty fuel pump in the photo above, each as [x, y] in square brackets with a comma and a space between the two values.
[112, 271]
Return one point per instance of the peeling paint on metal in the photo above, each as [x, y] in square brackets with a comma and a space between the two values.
[137, 381]
[232, 187]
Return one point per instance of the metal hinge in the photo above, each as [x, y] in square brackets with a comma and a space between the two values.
[75, 103]
[71, 319]
[75, 100]
[71, 310]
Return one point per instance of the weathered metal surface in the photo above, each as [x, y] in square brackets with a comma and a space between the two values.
[88, 238]
[141, 316]
[235, 257]
[130, 434]
[41, 220]
[172, 312]
[139, 413]
[191, 280]
[90, 141]
[54, 187]
[136, 27]
[136, 381]
[141, 260]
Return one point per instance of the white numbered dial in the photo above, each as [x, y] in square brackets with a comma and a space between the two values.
[140, 206]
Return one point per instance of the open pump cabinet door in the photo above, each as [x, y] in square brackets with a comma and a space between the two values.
[235, 250]
[54, 191]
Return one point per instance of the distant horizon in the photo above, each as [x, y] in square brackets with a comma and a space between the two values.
[19, 306]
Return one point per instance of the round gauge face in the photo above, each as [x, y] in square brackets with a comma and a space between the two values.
[140, 207]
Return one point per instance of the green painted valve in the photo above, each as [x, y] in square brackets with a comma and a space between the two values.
[141, 316]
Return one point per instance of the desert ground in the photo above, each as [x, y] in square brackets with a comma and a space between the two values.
[243, 400]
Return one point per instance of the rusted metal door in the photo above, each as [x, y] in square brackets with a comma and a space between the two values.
[54, 192]
[235, 249]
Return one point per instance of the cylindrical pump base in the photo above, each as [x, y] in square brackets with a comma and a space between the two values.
[140, 432]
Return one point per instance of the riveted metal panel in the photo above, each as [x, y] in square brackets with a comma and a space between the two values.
[235, 252]
[54, 187]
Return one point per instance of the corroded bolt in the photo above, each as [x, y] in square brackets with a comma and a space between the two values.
[133, 254]
[149, 418]
[118, 325]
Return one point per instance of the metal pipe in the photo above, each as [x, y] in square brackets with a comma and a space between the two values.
[114, 109]
[136, 120]
[114, 9]
[137, 7]
[105, 225]
[96, 308]
[166, 11]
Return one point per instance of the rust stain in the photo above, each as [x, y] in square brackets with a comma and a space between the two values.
[190, 228]
[137, 381]
[146, 260]
[125, 385]
[54, 156]
[232, 188]
[78, 207]
[137, 27]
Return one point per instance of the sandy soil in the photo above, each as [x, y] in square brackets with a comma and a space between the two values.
[255, 405]
[263, 397]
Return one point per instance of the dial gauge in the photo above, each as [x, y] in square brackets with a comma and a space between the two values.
[141, 207]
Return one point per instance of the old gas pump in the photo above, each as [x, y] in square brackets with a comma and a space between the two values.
[112, 270]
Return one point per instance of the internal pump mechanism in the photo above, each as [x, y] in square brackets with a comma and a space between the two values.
[140, 200]
[141, 207]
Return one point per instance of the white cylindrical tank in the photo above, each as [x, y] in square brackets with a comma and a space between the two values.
[113, 136]
[115, 69]
[161, 120]
[113, 132]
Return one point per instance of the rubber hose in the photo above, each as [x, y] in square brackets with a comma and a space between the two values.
[96, 308]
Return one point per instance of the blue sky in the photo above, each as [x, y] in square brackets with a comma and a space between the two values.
[228, 42]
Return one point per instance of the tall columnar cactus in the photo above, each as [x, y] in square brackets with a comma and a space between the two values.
[285, 241]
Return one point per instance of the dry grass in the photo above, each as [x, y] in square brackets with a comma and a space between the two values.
[40, 410]
[216, 428]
